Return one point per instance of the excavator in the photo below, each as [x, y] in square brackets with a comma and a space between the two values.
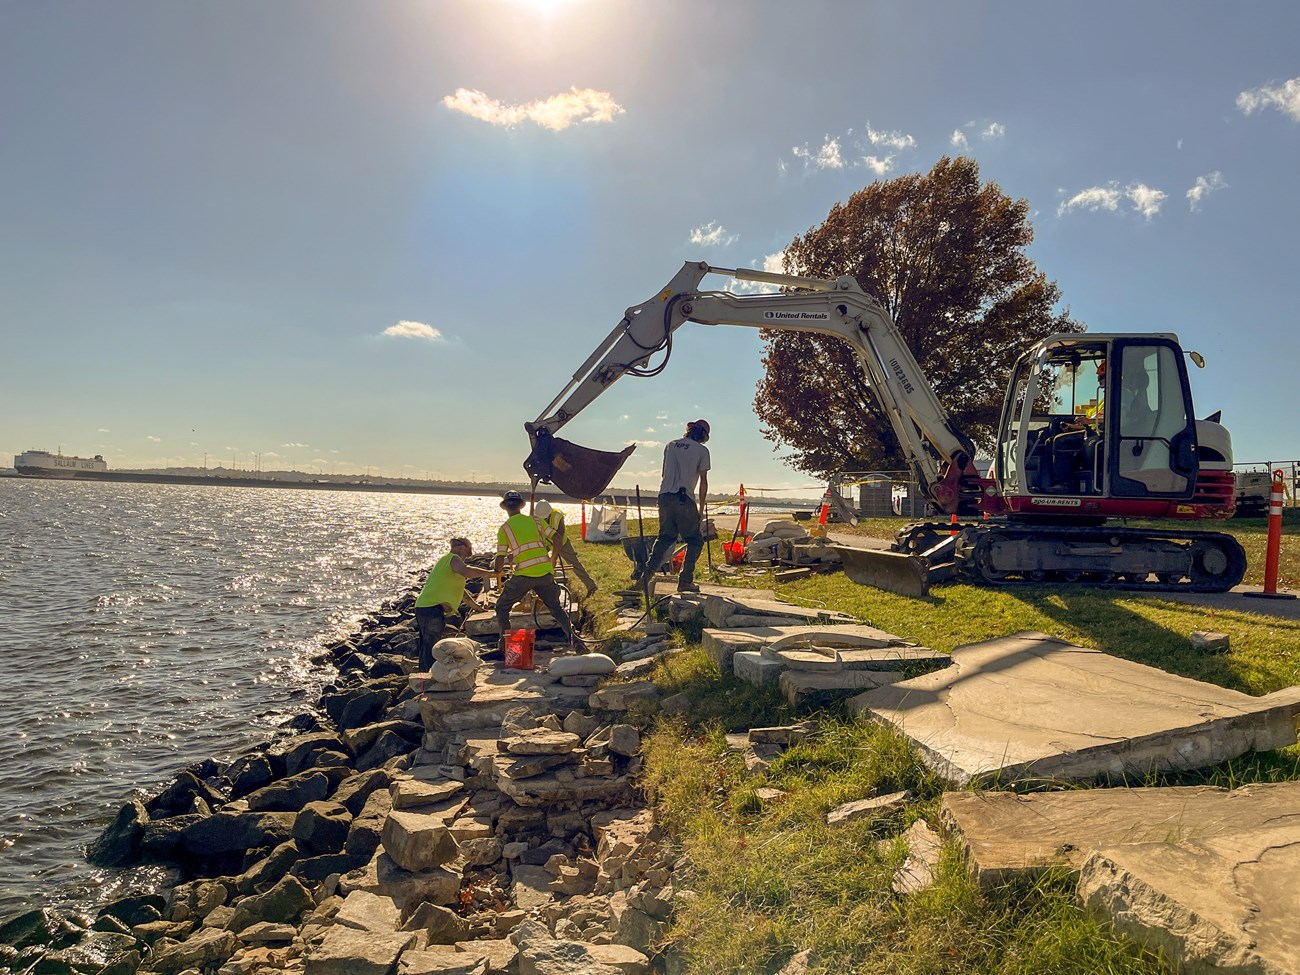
[1096, 430]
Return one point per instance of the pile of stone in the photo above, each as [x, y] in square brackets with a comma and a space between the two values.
[788, 543]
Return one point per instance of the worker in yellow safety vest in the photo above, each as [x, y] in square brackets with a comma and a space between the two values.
[561, 546]
[443, 592]
[524, 540]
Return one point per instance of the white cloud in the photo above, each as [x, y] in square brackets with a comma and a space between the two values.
[995, 130]
[154, 439]
[712, 234]
[890, 140]
[827, 157]
[649, 443]
[103, 430]
[300, 446]
[555, 113]
[414, 330]
[651, 430]
[877, 165]
[1285, 99]
[661, 416]
[626, 416]
[1205, 185]
[1146, 200]
[1093, 198]
[958, 139]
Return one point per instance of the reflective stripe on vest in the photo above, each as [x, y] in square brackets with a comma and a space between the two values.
[521, 536]
[444, 587]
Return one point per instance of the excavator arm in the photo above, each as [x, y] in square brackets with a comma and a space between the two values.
[938, 453]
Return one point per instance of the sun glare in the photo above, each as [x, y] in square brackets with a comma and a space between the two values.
[545, 7]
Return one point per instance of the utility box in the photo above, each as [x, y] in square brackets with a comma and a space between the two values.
[874, 499]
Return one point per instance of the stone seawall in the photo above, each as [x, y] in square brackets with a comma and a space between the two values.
[471, 820]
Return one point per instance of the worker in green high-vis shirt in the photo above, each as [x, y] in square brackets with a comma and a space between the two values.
[442, 595]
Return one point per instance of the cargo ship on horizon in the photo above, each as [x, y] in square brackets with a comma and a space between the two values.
[45, 464]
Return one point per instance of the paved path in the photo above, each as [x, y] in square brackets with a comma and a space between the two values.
[1236, 600]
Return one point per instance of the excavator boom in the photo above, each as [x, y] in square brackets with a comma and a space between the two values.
[938, 453]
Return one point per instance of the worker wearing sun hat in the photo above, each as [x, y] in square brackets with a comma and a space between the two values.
[561, 544]
[686, 467]
[523, 539]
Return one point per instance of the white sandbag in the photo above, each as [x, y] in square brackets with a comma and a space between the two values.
[607, 524]
[584, 663]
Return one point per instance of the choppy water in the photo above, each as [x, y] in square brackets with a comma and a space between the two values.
[144, 627]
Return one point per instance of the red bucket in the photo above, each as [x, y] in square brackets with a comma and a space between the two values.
[679, 560]
[519, 649]
[734, 552]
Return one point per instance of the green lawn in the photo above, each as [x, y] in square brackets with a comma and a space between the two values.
[772, 878]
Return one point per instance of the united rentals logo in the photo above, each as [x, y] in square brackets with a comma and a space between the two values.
[797, 316]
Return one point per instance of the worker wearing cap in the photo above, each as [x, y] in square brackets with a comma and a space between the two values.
[524, 539]
[442, 595]
[561, 546]
[686, 468]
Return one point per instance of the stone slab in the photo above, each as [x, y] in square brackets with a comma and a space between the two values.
[918, 871]
[721, 608]
[721, 643]
[754, 667]
[1222, 903]
[1032, 707]
[487, 704]
[807, 689]
[1006, 833]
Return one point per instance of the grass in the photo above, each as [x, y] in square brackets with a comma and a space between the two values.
[771, 878]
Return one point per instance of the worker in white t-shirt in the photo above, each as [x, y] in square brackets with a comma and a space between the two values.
[686, 471]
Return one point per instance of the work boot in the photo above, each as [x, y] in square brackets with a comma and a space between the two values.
[687, 585]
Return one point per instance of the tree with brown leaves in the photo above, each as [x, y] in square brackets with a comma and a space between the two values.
[944, 254]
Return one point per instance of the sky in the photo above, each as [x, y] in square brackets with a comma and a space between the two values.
[381, 236]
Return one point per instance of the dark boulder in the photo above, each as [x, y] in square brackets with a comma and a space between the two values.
[269, 870]
[322, 827]
[353, 791]
[249, 773]
[291, 794]
[119, 844]
[179, 797]
[235, 832]
[364, 707]
[285, 903]
[387, 746]
[41, 927]
[289, 756]
[163, 838]
[135, 910]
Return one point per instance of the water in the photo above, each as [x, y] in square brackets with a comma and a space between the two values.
[144, 627]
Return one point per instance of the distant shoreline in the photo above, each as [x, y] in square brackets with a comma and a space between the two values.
[487, 489]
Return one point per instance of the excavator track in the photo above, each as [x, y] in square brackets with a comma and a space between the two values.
[1100, 558]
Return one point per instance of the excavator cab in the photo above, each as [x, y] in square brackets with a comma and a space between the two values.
[1098, 424]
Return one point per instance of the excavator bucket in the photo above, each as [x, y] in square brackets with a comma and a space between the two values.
[580, 472]
[907, 575]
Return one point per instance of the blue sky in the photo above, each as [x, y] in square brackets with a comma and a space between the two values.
[382, 236]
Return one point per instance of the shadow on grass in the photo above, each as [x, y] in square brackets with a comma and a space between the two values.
[1110, 625]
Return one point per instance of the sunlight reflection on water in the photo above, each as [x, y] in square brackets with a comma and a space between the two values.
[148, 626]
